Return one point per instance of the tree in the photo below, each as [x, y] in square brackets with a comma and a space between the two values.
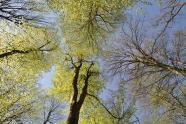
[24, 54]
[152, 67]
[27, 51]
[78, 80]
[82, 22]
[24, 43]
[148, 57]
[21, 48]
[90, 22]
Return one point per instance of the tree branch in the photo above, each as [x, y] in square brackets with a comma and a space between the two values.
[104, 106]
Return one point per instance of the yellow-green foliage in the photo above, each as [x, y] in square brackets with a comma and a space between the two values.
[90, 21]
[20, 71]
[62, 81]
[63, 76]
[26, 38]
[85, 24]
[92, 112]
[18, 97]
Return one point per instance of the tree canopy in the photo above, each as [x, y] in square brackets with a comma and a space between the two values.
[146, 64]
[153, 69]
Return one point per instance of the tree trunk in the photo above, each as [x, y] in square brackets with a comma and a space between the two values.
[73, 117]
[75, 104]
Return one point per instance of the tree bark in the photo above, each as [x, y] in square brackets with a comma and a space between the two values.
[75, 105]
[73, 117]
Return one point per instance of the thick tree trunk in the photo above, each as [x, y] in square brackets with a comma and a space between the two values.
[75, 105]
[73, 117]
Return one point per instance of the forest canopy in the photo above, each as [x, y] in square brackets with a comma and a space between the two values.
[90, 45]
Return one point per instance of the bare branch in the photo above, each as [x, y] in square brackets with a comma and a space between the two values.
[104, 106]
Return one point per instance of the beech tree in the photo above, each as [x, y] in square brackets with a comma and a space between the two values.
[24, 54]
[22, 47]
[27, 105]
[154, 68]
[79, 81]
[90, 21]
[84, 25]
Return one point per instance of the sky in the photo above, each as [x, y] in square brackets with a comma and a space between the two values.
[46, 80]
[150, 11]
